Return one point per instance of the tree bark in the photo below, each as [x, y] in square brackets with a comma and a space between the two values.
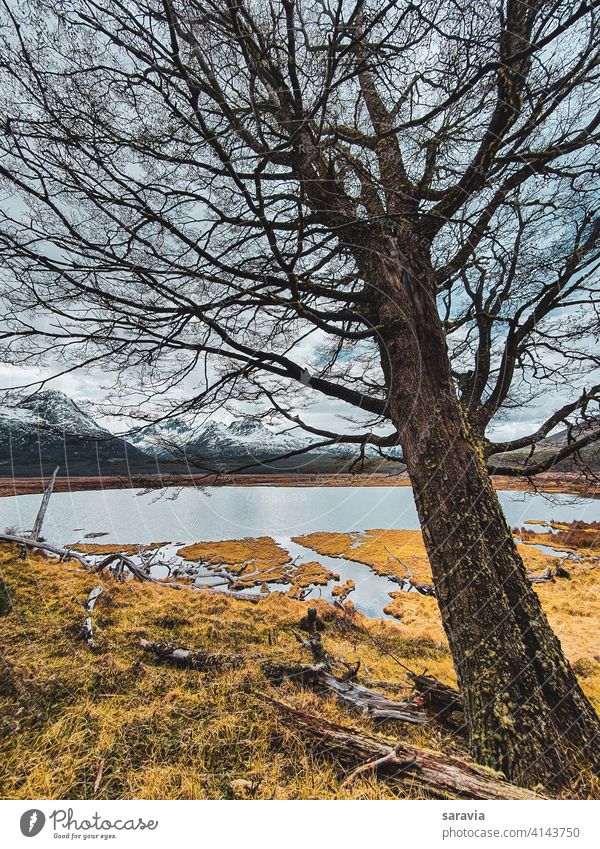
[526, 713]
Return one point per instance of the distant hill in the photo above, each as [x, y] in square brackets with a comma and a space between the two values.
[581, 429]
[47, 429]
[590, 455]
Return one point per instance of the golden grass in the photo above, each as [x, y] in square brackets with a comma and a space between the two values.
[341, 591]
[379, 549]
[259, 560]
[252, 552]
[419, 614]
[72, 718]
[572, 605]
[111, 548]
[582, 537]
[311, 574]
[396, 552]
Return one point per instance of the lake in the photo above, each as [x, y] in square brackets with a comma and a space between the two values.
[214, 513]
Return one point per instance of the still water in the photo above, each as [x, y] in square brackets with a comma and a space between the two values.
[214, 513]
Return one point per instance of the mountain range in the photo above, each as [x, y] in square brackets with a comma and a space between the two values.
[213, 440]
[46, 429]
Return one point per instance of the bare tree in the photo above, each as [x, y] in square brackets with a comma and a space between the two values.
[197, 187]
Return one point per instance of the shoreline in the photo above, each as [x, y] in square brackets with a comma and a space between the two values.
[566, 483]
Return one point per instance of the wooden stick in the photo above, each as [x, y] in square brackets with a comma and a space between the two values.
[39, 519]
[89, 605]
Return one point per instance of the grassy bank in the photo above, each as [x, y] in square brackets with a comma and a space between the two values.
[110, 722]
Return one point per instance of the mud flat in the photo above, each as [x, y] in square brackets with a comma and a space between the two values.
[563, 482]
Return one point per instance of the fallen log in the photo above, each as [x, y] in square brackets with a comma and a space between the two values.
[376, 705]
[368, 702]
[62, 553]
[199, 660]
[135, 570]
[253, 599]
[444, 776]
[69, 553]
[544, 578]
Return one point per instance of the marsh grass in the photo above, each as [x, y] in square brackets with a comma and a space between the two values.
[113, 723]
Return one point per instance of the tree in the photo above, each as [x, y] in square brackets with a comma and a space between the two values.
[196, 184]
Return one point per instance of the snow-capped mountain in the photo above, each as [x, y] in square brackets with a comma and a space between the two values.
[51, 410]
[216, 440]
[46, 429]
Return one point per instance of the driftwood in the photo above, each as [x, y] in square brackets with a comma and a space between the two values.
[544, 578]
[59, 551]
[199, 660]
[253, 599]
[444, 776]
[318, 677]
[88, 606]
[369, 702]
[139, 574]
[548, 576]
[423, 589]
[36, 533]
[444, 702]
[376, 705]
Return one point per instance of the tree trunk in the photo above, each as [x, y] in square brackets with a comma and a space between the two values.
[526, 713]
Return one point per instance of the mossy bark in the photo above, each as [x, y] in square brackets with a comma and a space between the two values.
[527, 715]
[5, 600]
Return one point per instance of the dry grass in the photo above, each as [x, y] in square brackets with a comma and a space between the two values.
[112, 723]
[252, 552]
[112, 548]
[259, 560]
[419, 614]
[380, 549]
[342, 591]
[583, 537]
[397, 552]
[572, 605]
[311, 574]
[557, 481]
[72, 717]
